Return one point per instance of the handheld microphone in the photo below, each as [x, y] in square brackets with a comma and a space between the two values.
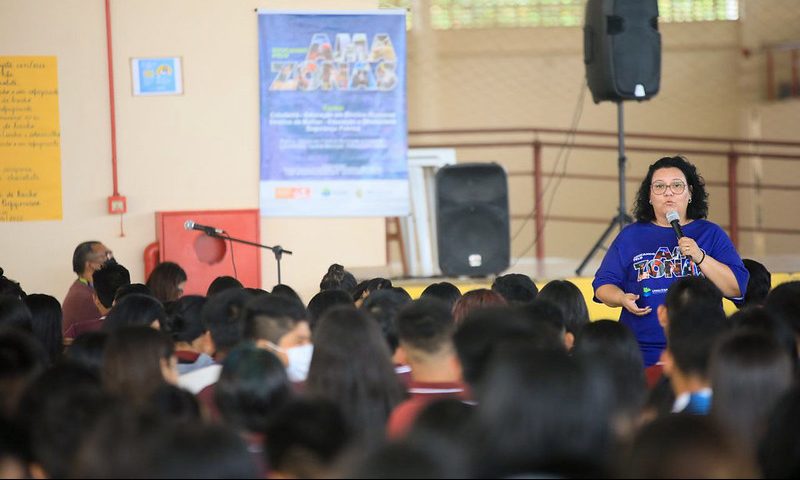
[190, 225]
[674, 219]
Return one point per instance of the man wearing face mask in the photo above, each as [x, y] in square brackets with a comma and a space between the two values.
[78, 305]
[280, 325]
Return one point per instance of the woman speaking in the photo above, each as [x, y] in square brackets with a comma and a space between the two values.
[647, 256]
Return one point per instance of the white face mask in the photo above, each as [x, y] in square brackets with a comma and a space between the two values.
[299, 360]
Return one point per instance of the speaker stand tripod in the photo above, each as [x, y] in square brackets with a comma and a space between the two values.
[621, 218]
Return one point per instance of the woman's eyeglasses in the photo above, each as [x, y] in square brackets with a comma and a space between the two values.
[660, 188]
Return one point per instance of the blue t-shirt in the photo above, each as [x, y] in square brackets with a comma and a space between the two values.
[645, 259]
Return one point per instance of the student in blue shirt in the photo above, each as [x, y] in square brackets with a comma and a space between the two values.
[647, 257]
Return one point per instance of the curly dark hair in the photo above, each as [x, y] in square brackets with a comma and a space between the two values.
[698, 208]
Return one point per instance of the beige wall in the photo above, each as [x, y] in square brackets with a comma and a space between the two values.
[194, 151]
[200, 150]
[534, 77]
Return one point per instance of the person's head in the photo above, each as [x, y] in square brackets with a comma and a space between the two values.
[544, 412]
[364, 288]
[610, 348]
[784, 302]
[516, 288]
[88, 257]
[671, 184]
[324, 301]
[46, 319]
[444, 291]
[686, 446]
[14, 313]
[749, 373]
[58, 410]
[137, 361]
[252, 386]
[547, 320]
[10, 287]
[87, 350]
[757, 318]
[130, 289]
[422, 458]
[448, 419]
[425, 332]
[106, 281]
[222, 283]
[474, 300]
[779, 452]
[352, 367]
[690, 339]
[143, 444]
[486, 331]
[759, 283]
[337, 278]
[177, 404]
[222, 317]
[688, 291]
[184, 324]
[135, 310]
[382, 305]
[280, 325]
[286, 291]
[306, 436]
[568, 298]
[167, 281]
[22, 359]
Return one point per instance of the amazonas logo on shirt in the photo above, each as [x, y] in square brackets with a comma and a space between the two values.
[664, 263]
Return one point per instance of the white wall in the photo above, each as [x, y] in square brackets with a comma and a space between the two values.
[195, 151]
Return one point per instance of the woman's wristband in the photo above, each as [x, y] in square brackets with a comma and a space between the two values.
[701, 260]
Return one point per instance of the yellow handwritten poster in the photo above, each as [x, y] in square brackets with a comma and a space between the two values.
[30, 140]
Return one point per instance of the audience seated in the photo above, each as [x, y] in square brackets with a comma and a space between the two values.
[686, 446]
[569, 299]
[444, 291]
[306, 437]
[184, 324]
[425, 331]
[79, 304]
[692, 332]
[280, 325]
[337, 278]
[515, 288]
[352, 367]
[508, 382]
[749, 374]
[46, 319]
[474, 300]
[167, 281]
[759, 283]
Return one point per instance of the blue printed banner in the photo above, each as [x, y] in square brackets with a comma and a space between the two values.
[157, 76]
[333, 114]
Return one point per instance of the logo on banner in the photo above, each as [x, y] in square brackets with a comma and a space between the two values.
[350, 64]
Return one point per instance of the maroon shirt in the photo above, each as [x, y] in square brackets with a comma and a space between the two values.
[78, 306]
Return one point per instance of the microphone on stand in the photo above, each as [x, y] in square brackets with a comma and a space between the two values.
[191, 225]
[674, 219]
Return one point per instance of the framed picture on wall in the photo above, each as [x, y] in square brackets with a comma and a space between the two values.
[157, 76]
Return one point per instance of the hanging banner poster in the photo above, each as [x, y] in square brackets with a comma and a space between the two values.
[333, 114]
[30, 140]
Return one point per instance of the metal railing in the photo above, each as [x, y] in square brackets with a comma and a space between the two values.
[535, 140]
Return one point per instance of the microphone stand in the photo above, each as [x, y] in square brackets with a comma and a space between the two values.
[277, 250]
[621, 218]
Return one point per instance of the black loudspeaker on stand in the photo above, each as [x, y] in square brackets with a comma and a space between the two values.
[622, 53]
[472, 219]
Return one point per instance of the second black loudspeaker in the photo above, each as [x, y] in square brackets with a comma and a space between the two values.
[622, 49]
[472, 219]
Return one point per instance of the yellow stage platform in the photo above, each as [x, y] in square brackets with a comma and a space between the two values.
[597, 311]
